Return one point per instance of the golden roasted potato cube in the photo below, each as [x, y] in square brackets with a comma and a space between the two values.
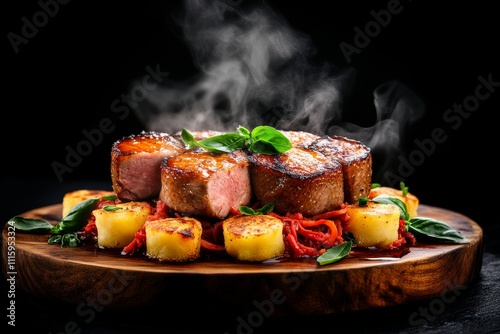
[173, 239]
[253, 238]
[117, 228]
[409, 199]
[373, 225]
[73, 198]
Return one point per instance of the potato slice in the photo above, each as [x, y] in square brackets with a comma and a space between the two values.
[409, 199]
[73, 198]
[373, 225]
[173, 239]
[254, 237]
[116, 228]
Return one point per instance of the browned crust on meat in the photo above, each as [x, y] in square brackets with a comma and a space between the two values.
[298, 180]
[135, 164]
[356, 160]
[205, 184]
[300, 139]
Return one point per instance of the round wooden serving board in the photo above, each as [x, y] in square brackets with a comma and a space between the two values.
[299, 287]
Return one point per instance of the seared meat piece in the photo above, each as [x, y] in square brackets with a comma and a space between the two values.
[300, 138]
[298, 180]
[135, 164]
[356, 160]
[202, 183]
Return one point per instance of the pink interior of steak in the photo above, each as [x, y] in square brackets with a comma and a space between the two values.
[140, 175]
[229, 189]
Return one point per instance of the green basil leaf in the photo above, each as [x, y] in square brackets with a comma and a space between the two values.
[224, 143]
[244, 132]
[30, 225]
[263, 139]
[262, 211]
[55, 239]
[70, 240]
[247, 211]
[435, 229]
[362, 201]
[386, 199]
[349, 237]
[375, 185]
[266, 208]
[110, 198]
[403, 188]
[188, 139]
[112, 208]
[65, 240]
[267, 140]
[77, 217]
[335, 254]
[263, 147]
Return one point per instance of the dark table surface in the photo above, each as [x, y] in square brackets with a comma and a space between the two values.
[474, 310]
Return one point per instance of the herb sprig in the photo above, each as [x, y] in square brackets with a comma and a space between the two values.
[335, 254]
[424, 227]
[248, 211]
[262, 139]
[65, 232]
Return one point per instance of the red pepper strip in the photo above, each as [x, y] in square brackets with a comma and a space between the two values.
[90, 229]
[294, 247]
[160, 212]
[403, 236]
[104, 202]
[333, 233]
[211, 246]
[396, 244]
[339, 230]
[310, 234]
[328, 240]
[234, 212]
[130, 248]
[334, 213]
[136, 244]
[297, 248]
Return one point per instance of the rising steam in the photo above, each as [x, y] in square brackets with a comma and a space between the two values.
[255, 69]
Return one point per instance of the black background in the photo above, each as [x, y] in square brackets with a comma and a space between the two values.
[64, 79]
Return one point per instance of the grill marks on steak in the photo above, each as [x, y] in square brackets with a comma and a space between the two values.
[202, 183]
[298, 180]
[356, 161]
[135, 164]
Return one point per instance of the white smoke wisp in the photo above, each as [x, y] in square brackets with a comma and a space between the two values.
[254, 69]
[397, 108]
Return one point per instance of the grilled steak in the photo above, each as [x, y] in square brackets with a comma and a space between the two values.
[318, 174]
[201, 183]
[135, 164]
[298, 180]
[356, 161]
